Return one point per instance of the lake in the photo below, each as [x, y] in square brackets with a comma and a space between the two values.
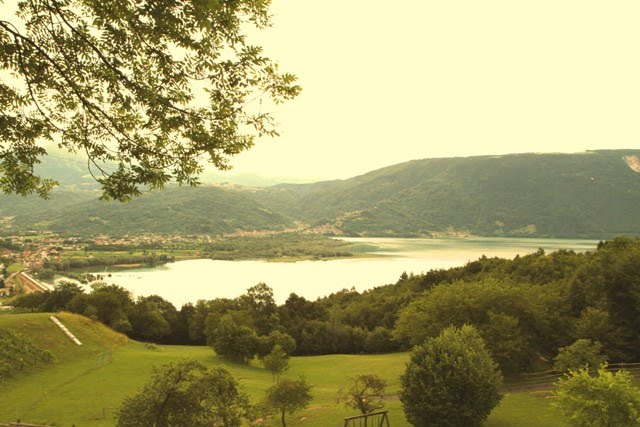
[187, 281]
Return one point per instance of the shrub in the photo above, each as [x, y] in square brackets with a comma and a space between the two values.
[606, 399]
[451, 380]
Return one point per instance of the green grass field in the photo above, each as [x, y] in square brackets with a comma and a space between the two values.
[83, 387]
[14, 268]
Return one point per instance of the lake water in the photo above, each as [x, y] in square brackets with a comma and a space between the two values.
[187, 281]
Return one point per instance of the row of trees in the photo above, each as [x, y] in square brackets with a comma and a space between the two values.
[526, 310]
[146, 258]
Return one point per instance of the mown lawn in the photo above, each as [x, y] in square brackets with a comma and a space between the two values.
[83, 387]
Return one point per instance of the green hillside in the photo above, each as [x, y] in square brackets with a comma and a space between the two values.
[32, 206]
[42, 332]
[85, 389]
[593, 195]
[175, 210]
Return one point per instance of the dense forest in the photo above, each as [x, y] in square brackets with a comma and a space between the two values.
[595, 194]
[527, 309]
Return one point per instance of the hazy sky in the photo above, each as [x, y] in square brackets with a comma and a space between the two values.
[387, 82]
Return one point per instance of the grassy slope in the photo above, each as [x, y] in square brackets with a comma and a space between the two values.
[45, 334]
[77, 388]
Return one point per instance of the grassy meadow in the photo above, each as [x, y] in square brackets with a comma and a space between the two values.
[84, 385]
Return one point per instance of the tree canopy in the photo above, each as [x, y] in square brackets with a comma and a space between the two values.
[186, 394]
[144, 89]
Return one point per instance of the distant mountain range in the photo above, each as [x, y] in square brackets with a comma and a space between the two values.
[595, 194]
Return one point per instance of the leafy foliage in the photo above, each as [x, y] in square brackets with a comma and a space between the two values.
[581, 354]
[510, 318]
[237, 342]
[606, 399]
[451, 380]
[120, 82]
[185, 394]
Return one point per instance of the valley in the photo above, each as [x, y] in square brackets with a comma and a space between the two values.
[413, 248]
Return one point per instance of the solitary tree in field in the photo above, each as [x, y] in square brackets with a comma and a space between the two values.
[365, 393]
[144, 89]
[277, 361]
[451, 381]
[289, 396]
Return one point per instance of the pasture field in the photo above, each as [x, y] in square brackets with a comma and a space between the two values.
[14, 268]
[85, 385]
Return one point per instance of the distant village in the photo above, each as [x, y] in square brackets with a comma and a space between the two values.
[32, 250]
[38, 248]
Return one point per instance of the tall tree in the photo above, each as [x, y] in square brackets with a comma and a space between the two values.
[144, 89]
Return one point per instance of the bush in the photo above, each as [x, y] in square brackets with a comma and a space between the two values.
[606, 399]
[451, 380]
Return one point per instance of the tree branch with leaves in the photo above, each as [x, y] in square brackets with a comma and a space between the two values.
[147, 90]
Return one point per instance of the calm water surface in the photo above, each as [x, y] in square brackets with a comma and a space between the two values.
[187, 281]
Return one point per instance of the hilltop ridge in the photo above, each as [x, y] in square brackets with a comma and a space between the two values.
[595, 194]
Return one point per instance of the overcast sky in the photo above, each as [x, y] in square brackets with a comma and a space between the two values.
[387, 82]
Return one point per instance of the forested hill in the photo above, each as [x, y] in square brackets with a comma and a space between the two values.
[589, 194]
[594, 194]
[175, 210]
